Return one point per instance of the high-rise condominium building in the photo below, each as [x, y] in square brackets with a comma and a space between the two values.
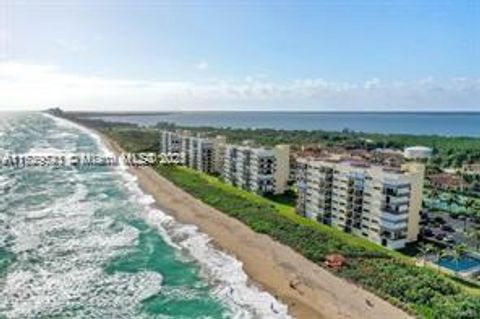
[200, 153]
[374, 202]
[257, 169]
[170, 142]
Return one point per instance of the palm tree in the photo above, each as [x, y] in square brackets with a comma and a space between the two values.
[469, 204]
[460, 174]
[434, 192]
[425, 250]
[474, 235]
[433, 196]
[439, 254]
[476, 213]
[451, 200]
[458, 252]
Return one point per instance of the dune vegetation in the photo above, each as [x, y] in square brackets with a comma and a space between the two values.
[419, 290]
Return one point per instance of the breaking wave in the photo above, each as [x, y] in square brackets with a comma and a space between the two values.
[64, 228]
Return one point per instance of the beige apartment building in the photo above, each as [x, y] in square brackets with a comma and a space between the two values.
[257, 169]
[378, 203]
[200, 153]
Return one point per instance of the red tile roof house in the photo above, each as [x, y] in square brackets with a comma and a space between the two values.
[447, 181]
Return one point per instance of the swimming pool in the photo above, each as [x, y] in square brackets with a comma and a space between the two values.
[465, 264]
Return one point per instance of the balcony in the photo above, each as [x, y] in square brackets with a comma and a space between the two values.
[403, 191]
[402, 210]
[393, 217]
[399, 200]
[396, 191]
[318, 196]
[392, 226]
[261, 176]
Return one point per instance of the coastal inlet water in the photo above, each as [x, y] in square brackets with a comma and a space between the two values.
[452, 124]
[87, 243]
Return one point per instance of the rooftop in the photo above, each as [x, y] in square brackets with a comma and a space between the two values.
[351, 162]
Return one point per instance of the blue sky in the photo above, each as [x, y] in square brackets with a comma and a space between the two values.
[312, 55]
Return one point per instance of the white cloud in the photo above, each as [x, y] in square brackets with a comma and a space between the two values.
[203, 65]
[31, 86]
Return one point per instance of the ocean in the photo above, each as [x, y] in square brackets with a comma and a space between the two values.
[451, 124]
[88, 243]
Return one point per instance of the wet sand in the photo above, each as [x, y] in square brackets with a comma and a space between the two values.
[309, 290]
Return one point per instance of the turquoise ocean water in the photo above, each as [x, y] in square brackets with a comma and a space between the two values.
[87, 243]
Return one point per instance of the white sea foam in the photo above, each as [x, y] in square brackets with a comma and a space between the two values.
[61, 247]
[43, 292]
[3, 181]
[232, 287]
[68, 124]
[60, 251]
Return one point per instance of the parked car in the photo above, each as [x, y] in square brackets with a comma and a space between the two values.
[440, 236]
[454, 215]
[427, 232]
[448, 228]
[439, 220]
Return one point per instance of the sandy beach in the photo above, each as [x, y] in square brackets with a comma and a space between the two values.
[309, 290]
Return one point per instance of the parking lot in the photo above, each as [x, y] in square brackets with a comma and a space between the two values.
[440, 227]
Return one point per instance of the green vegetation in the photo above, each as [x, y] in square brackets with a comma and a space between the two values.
[135, 140]
[420, 290]
[389, 274]
[132, 137]
[455, 204]
[448, 151]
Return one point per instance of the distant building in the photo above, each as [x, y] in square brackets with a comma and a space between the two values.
[417, 152]
[170, 142]
[473, 168]
[448, 182]
[387, 151]
[380, 204]
[257, 169]
[200, 153]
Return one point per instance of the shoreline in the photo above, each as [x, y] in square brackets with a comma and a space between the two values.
[308, 290]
